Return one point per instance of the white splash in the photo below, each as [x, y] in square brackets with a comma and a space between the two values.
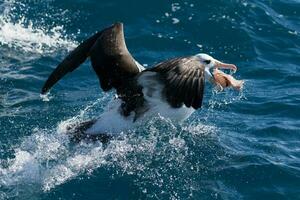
[47, 159]
[64, 126]
[23, 168]
[30, 39]
[175, 20]
[175, 7]
[46, 97]
[24, 35]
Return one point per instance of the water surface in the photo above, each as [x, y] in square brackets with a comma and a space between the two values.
[238, 146]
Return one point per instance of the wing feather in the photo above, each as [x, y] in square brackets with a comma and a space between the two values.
[110, 59]
[183, 80]
[71, 62]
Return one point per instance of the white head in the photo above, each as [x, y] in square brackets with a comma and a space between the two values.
[209, 62]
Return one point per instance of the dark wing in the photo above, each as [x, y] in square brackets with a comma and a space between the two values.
[183, 80]
[110, 59]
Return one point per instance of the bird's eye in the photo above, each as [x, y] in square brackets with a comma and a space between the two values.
[207, 62]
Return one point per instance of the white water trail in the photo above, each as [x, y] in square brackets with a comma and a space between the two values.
[47, 159]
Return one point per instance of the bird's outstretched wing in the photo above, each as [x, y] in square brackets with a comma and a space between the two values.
[109, 56]
[183, 80]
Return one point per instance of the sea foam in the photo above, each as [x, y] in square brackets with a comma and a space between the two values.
[23, 34]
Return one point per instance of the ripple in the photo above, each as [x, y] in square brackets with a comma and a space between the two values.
[238, 146]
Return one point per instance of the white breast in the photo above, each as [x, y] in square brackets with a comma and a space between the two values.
[111, 121]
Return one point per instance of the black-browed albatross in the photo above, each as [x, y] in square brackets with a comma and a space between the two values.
[173, 88]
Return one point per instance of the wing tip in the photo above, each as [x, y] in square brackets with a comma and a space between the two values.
[44, 91]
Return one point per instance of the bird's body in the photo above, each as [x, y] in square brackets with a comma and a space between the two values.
[114, 121]
[173, 89]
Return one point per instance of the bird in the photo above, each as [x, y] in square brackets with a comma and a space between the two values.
[173, 88]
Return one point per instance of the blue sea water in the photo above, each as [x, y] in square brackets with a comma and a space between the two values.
[240, 145]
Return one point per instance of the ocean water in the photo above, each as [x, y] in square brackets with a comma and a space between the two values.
[240, 145]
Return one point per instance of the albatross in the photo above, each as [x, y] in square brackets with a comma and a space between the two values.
[173, 88]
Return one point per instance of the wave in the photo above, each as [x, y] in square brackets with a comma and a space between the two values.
[47, 158]
[23, 34]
